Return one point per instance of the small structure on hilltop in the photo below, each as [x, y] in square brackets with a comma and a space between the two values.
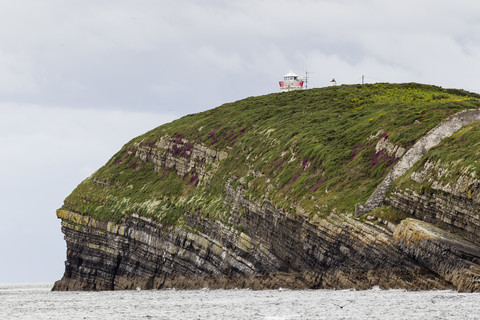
[333, 83]
[291, 81]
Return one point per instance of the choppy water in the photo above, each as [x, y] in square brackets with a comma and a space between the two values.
[36, 301]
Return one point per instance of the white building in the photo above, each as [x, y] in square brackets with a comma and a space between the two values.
[291, 81]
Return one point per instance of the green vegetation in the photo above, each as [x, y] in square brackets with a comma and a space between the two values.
[389, 214]
[456, 156]
[312, 148]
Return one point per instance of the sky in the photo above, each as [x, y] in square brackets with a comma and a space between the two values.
[79, 79]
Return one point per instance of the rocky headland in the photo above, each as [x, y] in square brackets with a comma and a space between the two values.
[339, 187]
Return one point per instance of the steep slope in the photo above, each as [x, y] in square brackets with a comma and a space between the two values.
[261, 193]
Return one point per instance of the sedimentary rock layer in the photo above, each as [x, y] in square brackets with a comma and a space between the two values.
[456, 260]
[280, 251]
[455, 213]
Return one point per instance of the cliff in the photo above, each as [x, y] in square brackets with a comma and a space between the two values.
[262, 193]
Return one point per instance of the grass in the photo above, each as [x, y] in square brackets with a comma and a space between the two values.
[313, 148]
[456, 156]
[389, 214]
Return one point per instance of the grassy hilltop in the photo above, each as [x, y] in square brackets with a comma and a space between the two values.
[309, 152]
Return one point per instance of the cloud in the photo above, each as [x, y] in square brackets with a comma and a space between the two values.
[16, 74]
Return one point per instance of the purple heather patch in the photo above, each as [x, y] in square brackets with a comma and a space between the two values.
[381, 156]
[315, 187]
[391, 160]
[217, 135]
[187, 153]
[176, 149]
[214, 131]
[377, 154]
[289, 185]
[164, 174]
[193, 179]
[296, 177]
[354, 151]
[305, 163]
[179, 138]
[277, 163]
[376, 157]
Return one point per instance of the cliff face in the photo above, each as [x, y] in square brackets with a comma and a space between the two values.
[261, 194]
[282, 252]
[453, 204]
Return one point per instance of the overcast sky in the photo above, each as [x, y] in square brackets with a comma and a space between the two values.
[78, 79]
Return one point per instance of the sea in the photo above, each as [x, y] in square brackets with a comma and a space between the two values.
[36, 301]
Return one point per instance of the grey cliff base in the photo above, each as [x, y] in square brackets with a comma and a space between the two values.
[281, 251]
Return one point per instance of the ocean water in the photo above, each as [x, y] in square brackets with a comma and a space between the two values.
[36, 301]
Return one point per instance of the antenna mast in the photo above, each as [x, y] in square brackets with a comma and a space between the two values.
[306, 74]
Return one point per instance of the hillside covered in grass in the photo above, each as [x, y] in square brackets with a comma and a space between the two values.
[310, 152]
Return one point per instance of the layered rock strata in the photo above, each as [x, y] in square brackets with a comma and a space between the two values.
[276, 250]
[454, 204]
[181, 155]
[415, 153]
[455, 213]
[456, 260]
